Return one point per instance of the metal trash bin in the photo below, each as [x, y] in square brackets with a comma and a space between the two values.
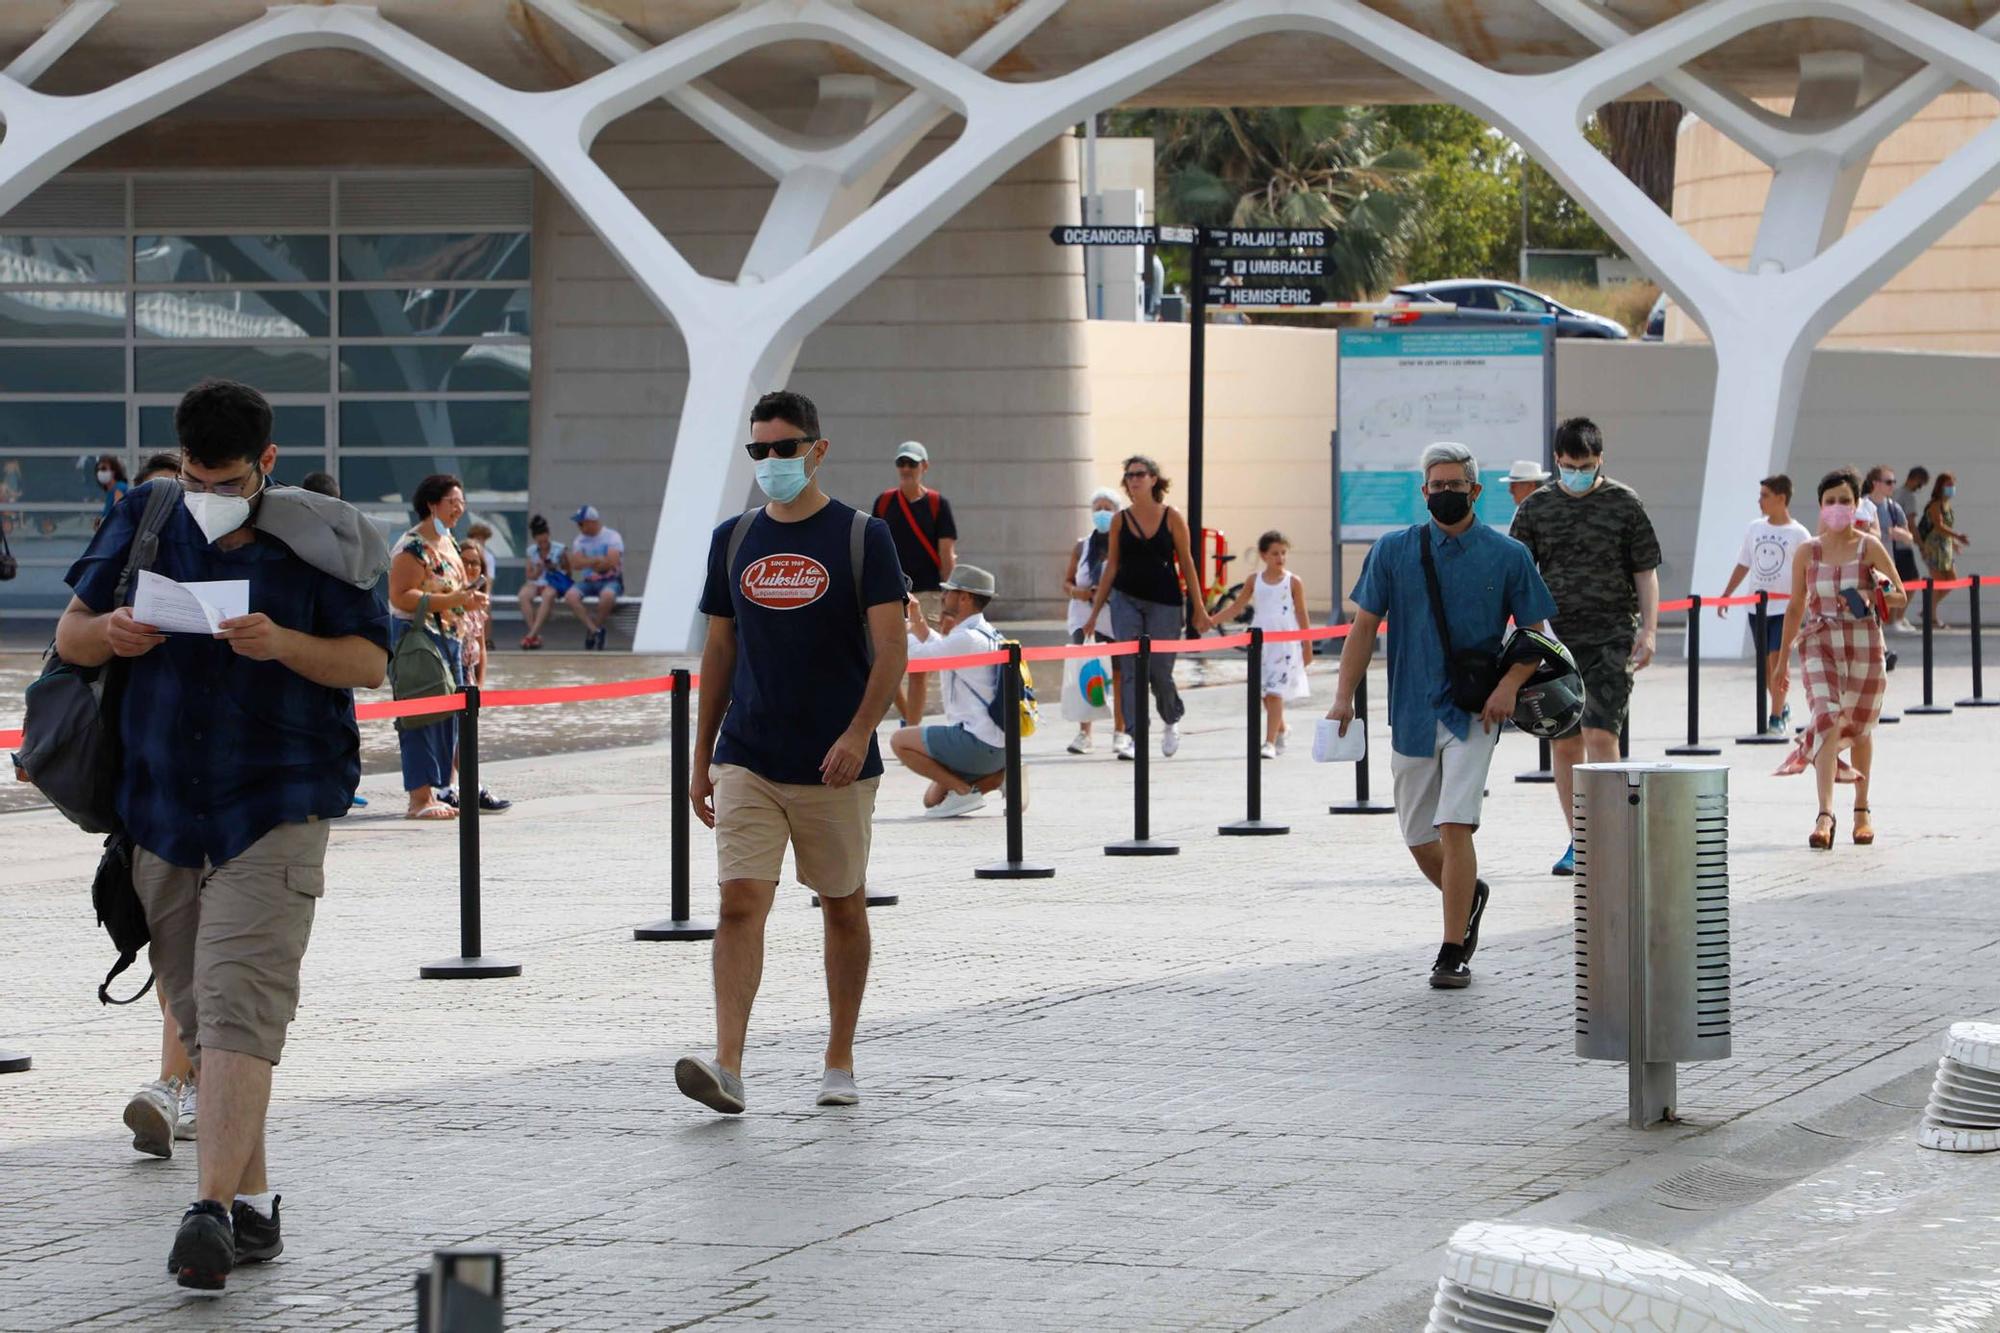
[1652, 922]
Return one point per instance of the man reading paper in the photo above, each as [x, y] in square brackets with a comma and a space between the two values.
[238, 747]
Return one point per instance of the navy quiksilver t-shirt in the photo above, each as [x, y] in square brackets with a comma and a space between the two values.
[801, 637]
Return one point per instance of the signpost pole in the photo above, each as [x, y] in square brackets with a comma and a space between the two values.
[1197, 407]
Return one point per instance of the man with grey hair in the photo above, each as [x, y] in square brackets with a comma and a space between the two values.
[1450, 585]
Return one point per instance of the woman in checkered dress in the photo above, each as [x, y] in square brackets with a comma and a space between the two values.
[1832, 617]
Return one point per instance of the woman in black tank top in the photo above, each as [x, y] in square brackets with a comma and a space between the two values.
[1144, 570]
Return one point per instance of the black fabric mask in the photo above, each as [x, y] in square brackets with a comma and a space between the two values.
[1449, 507]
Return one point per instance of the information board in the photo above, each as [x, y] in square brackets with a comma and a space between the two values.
[1401, 390]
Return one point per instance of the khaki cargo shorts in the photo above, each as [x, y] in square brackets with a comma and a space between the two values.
[829, 829]
[228, 939]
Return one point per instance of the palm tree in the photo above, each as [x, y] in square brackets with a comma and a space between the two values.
[1319, 166]
[1641, 141]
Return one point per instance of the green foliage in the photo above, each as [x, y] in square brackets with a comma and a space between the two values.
[1320, 166]
[1412, 193]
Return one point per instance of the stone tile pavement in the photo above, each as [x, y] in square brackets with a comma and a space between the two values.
[1207, 1091]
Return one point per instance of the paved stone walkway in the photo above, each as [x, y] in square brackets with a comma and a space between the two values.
[1208, 1091]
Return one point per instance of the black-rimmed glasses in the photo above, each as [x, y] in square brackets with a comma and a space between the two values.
[236, 487]
[763, 449]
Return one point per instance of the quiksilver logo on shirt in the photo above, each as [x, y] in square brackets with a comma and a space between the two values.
[785, 582]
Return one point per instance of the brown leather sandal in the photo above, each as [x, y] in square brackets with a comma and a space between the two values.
[1823, 842]
[1864, 828]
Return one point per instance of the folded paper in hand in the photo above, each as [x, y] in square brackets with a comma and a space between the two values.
[1330, 747]
[189, 608]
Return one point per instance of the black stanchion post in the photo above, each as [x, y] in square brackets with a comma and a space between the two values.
[471, 964]
[1694, 745]
[1016, 866]
[1139, 706]
[1625, 738]
[1929, 707]
[1544, 770]
[1978, 699]
[1361, 805]
[681, 925]
[14, 1062]
[1760, 620]
[1253, 824]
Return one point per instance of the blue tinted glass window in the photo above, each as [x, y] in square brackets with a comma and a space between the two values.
[71, 312]
[449, 312]
[40, 260]
[292, 427]
[62, 370]
[244, 259]
[435, 367]
[402, 424]
[435, 257]
[273, 369]
[244, 313]
[96, 427]
[389, 479]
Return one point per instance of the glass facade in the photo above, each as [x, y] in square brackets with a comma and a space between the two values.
[388, 353]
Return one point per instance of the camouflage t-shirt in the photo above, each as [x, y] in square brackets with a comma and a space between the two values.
[1588, 547]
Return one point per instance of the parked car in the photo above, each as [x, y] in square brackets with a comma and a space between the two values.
[1484, 303]
[1656, 321]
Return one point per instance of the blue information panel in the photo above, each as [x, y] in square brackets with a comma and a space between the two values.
[1401, 390]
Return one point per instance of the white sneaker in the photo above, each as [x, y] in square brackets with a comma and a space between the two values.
[151, 1114]
[1121, 744]
[955, 804]
[837, 1088]
[184, 1123]
[1170, 739]
[1284, 734]
[1083, 744]
[1270, 751]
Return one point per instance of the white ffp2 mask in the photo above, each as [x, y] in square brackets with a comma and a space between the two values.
[216, 515]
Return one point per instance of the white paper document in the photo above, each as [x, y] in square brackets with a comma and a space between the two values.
[1330, 747]
[189, 608]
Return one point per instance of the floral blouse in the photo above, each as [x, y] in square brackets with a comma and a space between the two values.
[443, 573]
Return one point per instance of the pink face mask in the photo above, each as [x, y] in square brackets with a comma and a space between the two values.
[1836, 517]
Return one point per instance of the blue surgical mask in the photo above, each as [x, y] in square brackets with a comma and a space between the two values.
[1947, 491]
[440, 527]
[1101, 519]
[783, 478]
[1578, 480]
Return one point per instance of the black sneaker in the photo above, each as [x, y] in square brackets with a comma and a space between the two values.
[1450, 971]
[1479, 895]
[488, 801]
[257, 1237]
[445, 796]
[204, 1248]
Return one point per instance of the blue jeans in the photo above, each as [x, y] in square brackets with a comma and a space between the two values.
[1130, 618]
[429, 752]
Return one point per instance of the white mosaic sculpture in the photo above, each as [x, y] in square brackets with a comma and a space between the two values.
[827, 235]
[1547, 1279]
[1964, 1110]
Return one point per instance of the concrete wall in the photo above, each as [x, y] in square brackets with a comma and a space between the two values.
[1947, 299]
[1271, 403]
[972, 344]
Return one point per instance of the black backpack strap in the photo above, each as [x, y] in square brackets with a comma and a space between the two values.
[160, 498]
[1437, 597]
[857, 555]
[125, 960]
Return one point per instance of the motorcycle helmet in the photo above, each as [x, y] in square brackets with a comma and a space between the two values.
[1550, 703]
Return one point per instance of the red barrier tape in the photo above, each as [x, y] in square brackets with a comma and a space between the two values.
[442, 703]
[920, 665]
[576, 694]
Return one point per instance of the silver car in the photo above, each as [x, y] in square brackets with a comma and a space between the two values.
[1485, 303]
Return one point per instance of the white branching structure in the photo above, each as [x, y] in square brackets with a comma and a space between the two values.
[829, 230]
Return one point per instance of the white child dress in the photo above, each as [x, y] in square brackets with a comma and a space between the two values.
[1284, 663]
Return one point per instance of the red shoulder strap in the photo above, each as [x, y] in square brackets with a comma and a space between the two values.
[882, 503]
[936, 503]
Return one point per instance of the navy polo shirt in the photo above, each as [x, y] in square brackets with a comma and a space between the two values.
[220, 749]
[1484, 578]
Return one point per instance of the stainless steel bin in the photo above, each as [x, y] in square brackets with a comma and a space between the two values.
[1652, 922]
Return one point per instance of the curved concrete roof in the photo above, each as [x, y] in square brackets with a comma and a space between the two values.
[511, 42]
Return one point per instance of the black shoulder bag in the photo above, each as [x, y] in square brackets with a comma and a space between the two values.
[1473, 674]
[70, 750]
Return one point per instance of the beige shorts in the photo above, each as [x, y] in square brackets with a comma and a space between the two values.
[829, 829]
[1447, 788]
[228, 939]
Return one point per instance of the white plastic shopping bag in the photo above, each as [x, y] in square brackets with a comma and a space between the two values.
[1330, 747]
[1086, 695]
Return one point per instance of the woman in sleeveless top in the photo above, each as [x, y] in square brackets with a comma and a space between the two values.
[1144, 567]
[1832, 618]
[427, 564]
[1086, 567]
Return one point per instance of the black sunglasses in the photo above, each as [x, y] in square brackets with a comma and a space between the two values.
[763, 449]
[908, 462]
